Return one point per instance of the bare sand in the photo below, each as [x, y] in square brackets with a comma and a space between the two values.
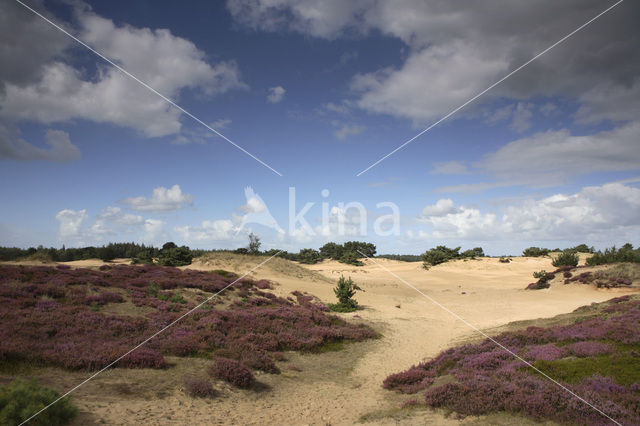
[340, 387]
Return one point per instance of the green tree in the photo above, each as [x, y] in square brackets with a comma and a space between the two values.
[309, 256]
[438, 255]
[254, 244]
[566, 258]
[172, 255]
[331, 251]
[344, 291]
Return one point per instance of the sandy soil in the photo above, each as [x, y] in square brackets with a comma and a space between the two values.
[340, 387]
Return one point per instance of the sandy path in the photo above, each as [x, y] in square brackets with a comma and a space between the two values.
[339, 387]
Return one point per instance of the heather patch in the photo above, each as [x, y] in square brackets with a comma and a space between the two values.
[596, 357]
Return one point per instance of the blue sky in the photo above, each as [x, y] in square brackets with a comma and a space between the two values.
[319, 91]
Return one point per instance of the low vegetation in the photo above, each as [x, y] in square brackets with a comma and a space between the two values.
[595, 355]
[60, 316]
[20, 400]
[442, 254]
[566, 258]
[626, 253]
[345, 290]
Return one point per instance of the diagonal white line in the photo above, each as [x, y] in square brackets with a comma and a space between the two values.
[145, 341]
[435, 302]
[490, 87]
[127, 73]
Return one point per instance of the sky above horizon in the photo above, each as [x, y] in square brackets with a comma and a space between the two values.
[319, 91]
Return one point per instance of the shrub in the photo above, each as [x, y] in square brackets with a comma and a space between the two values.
[473, 253]
[535, 252]
[232, 371]
[171, 255]
[350, 257]
[344, 291]
[626, 253]
[566, 258]
[20, 400]
[504, 260]
[198, 387]
[309, 256]
[254, 244]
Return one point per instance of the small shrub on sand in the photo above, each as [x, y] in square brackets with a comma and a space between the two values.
[345, 290]
[566, 258]
[198, 387]
[232, 371]
[20, 400]
[543, 280]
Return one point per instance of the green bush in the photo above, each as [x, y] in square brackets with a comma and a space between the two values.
[535, 252]
[473, 253]
[309, 256]
[351, 257]
[344, 291]
[172, 255]
[438, 255]
[566, 258]
[20, 400]
[626, 253]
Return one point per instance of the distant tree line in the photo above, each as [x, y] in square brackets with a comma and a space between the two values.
[537, 251]
[402, 257]
[442, 254]
[106, 252]
[350, 252]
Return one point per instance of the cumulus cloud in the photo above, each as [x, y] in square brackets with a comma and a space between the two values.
[453, 53]
[449, 168]
[155, 232]
[162, 200]
[60, 149]
[209, 231]
[600, 213]
[276, 94]
[345, 131]
[71, 224]
[168, 63]
[549, 158]
[113, 220]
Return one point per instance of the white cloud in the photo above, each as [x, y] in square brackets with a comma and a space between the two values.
[70, 224]
[346, 131]
[221, 123]
[155, 232]
[442, 207]
[60, 147]
[549, 158]
[112, 221]
[167, 63]
[209, 231]
[599, 213]
[254, 205]
[276, 94]
[449, 168]
[522, 117]
[431, 82]
[162, 200]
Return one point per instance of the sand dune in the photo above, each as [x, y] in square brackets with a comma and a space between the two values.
[339, 387]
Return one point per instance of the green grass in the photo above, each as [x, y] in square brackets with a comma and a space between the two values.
[623, 368]
[339, 307]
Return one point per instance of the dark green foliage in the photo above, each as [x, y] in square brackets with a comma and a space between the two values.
[331, 251]
[566, 258]
[309, 256]
[473, 253]
[402, 257]
[351, 257]
[254, 244]
[626, 253]
[20, 400]
[582, 248]
[172, 255]
[441, 254]
[344, 291]
[108, 252]
[361, 249]
[350, 252]
[535, 252]
[241, 250]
